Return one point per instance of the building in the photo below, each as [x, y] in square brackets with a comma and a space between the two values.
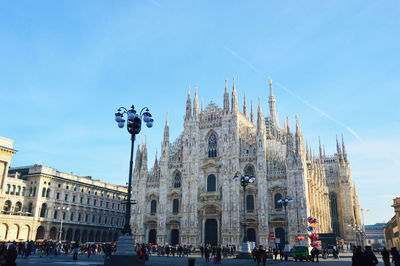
[189, 195]
[391, 229]
[36, 198]
[374, 235]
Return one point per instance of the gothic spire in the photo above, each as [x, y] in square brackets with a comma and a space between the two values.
[155, 160]
[339, 152]
[320, 147]
[299, 138]
[251, 112]
[166, 131]
[226, 98]
[271, 103]
[307, 151]
[344, 150]
[201, 110]
[196, 106]
[234, 97]
[144, 153]
[188, 107]
[260, 119]
[245, 105]
[289, 144]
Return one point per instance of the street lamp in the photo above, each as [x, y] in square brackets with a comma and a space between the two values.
[244, 182]
[285, 201]
[125, 243]
[62, 210]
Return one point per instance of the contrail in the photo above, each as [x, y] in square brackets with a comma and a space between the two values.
[304, 101]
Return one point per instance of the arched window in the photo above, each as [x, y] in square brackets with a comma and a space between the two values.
[23, 191]
[30, 206]
[43, 210]
[334, 213]
[12, 190]
[177, 180]
[30, 192]
[211, 183]
[249, 171]
[7, 205]
[8, 188]
[44, 192]
[55, 214]
[175, 206]
[212, 145]
[153, 207]
[250, 203]
[34, 191]
[48, 193]
[278, 205]
[18, 206]
[18, 191]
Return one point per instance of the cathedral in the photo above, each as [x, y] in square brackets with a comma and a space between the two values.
[190, 196]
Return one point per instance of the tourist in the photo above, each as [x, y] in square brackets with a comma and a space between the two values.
[357, 256]
[395, 256]
[369, 258]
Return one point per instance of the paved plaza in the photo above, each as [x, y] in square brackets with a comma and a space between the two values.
[169, 261]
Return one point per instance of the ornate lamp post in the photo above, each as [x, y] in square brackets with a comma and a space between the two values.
[62, 210]
[125, 254]
[285, 201]
[245, 247]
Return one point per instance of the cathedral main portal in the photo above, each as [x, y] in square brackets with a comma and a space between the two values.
[211, 232]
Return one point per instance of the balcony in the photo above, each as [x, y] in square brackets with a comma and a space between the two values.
[210, 195]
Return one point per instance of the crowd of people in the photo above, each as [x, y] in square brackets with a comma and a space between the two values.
[368, 258]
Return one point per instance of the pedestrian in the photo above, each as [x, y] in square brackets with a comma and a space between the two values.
[395, 256]
[219, 250]
[11, 256]
[207, 254]
[75, 252]
[314, 254]
[385, 256]
[369, 258]
[357, 256]
[201, 250]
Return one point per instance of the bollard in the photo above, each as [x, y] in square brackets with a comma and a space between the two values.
[191, 262]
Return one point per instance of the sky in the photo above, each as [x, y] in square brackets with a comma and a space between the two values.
[66, 66]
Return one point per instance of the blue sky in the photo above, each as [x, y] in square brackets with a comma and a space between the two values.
[67, 65]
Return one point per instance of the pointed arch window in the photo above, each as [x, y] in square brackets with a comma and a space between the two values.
[177, 180]
[153, 207]
[211, 183]
[250, 203]
[212, 145]
[278, 205]
[175, 206]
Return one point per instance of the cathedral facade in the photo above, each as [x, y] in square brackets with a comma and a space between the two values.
[189, 196]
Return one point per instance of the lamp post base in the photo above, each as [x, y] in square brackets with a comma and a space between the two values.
[245, 252]
[125, 254]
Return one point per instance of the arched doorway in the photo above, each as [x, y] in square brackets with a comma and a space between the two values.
[24, 232]
[84, 236]
[211, 232]
[153, 236]
[3, 231]
[77, 235]
[69, 235]
[251, 235]
[53, 233]
[40, 233]
[174, 237]
[280, 233]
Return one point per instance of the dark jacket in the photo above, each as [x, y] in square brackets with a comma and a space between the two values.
[369, 258]
[356, 260]
[385, 255]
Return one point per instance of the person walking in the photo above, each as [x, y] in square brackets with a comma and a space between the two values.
[315, 254]
[395, 256]
[385, 256]
[207, 254]
[219, 250]
[369, 258]
[356, 260]
[201, 250]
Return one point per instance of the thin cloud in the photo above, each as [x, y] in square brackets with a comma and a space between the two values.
[304, 101]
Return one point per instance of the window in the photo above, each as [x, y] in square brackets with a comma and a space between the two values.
[175, 206]
[59, 185]
[44, 192]
[88, 201]
[66, 197]
[73, 198]
[177, 180]
[112, 221]
[212, 145]
[86, 217]
[74, 188]
[105, 220]
[30, 192]
[119, 205]
[113, 205]
[72, 216]
[117, 221]
[278, 197]
[81, 200]
[79, 217]
[250, 203]
[8, 188]
[23, 191]
[7, 205]
[18, 207]
[107, 204]
[95, 202]
[67, 187]
[93, 218]
[43, 210]
[34, 191]
[58, 195]
[48, 193]
[18, 191]
[12, 190]
[55, 214]
[99, 219]
[211, 183]
[153, 207]
[249, 171]
[101, 203]
[30, 206]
